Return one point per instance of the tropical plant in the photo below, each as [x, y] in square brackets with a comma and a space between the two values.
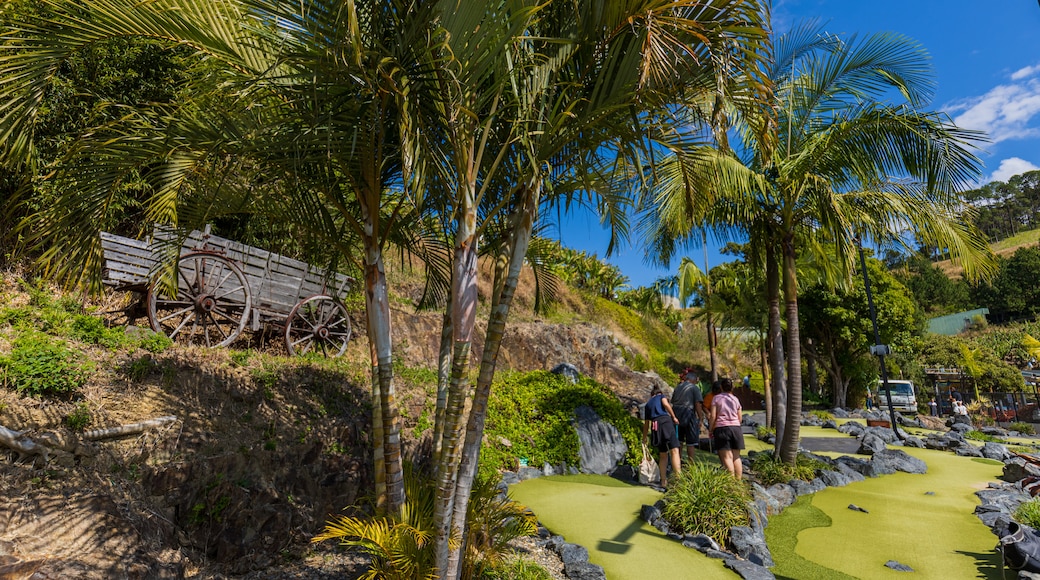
[705, 499]
[768, 470]
[826, 159]
[1028, 513]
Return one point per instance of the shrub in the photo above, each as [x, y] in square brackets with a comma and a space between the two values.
[1022, 427]
[770, 471]
[401, 549]
[705, 499]
[764, 432]
[530, 415]
[42, 366]
[1028, 513]
[516, 568]
[79, 418]
[92, 330]
[154, 342]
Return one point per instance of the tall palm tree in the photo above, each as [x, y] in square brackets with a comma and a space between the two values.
[824, 154]
[300, 108]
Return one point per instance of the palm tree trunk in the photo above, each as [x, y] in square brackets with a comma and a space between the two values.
[385, 425]
[712, 346]
[502, 301]
[463, 313]
[776, 346]
[789, 445]
[810, 367]
[766, 386]
[443, 377]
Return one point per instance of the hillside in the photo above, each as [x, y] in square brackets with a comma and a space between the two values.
[263, 447]
[1004, 248]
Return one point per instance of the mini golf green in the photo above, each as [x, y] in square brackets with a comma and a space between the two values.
[818, 537]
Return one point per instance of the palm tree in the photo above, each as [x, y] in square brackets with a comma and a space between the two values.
[300, 108]
[824, 156]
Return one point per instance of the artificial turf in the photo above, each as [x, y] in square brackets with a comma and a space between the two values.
[818, 537]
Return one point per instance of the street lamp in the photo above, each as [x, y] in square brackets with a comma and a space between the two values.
[879, 350]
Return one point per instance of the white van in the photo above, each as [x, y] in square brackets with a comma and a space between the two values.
[904, 397]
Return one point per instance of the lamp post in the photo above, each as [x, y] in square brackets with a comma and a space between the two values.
[878, 349]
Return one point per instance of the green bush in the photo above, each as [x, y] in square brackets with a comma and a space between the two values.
[1022, 427]
[764, 432]
[822, 415]
[530, 416]
[79, 418]
[42, 366]
[92, 330]
[770, 471]
[705, 499]
[154, 342]
[516, 568]
[1028, 513]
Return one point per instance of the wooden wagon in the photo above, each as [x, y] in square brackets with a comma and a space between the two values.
[224, 287]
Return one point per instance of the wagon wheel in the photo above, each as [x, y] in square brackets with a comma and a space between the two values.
[320, 324]
[211, 306]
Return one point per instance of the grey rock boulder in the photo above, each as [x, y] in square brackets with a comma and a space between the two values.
[871, 444]
[749, 570]
[853, 428]
[892, 460]
[600, 445]
[968, 450]
[996, 451]
[912, 441]
[568, 370]
[750, 545]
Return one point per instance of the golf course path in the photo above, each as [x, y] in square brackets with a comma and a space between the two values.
[923, 521]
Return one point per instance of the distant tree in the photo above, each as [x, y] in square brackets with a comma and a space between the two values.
[992, 374]
[1015, 291]
[933, 290]
[838, 322]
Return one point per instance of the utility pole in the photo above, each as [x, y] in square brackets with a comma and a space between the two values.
[878, 349]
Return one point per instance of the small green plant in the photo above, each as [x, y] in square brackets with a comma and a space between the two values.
[769, 471]
[980, 436]
[42, 366]
[92, 330]
[240, 358]
[1028, 513]
[764, 432]
[822, 415]
[516, 568]
[1022, 427]
[79, 418]
[139, 368]
[154, 342]
[705, 499]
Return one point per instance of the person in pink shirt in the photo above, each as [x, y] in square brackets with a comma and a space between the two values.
[724, 428]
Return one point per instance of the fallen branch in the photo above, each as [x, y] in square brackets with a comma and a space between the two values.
[124, 430]
[24, 447]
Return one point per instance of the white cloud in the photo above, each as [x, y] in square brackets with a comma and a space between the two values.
[1011, 167]
[1007, 111]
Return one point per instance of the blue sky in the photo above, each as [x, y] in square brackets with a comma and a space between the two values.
[986, 57]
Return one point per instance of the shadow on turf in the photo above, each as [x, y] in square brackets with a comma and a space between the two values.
[987, 563]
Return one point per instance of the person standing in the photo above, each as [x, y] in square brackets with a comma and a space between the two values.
[933, 408]
[659, 424]
[724, 426]
[688, 404]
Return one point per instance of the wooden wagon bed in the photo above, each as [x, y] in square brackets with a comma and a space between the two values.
[224, 286]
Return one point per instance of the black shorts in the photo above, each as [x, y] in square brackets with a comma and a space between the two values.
[664, 438]
[731, 437]
[690, 433]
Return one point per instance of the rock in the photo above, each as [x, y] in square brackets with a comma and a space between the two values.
[856, 508]
[650, 513]
[584, 571]
[994, 431]
[568, 370]
[749, 570]
[871, 444]
[830, 424]
[766, 501]
[848, 472]
[1017, 468]
[968, 451]
[600, 445]
[834, 478]
[510, 477]
[572, 553]
[897, 460]
[887, 435]
[933, 423]
[854, 464]
[811, 421]
[995, 451]
[784, 494]
[898, 567]
[700, 542]
[749, 421]
[961, 427]
[853, 428]
[1003, 500]
[912, 441]
[806, 487]
[525, 473]
[840, 413]
[750, 545]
